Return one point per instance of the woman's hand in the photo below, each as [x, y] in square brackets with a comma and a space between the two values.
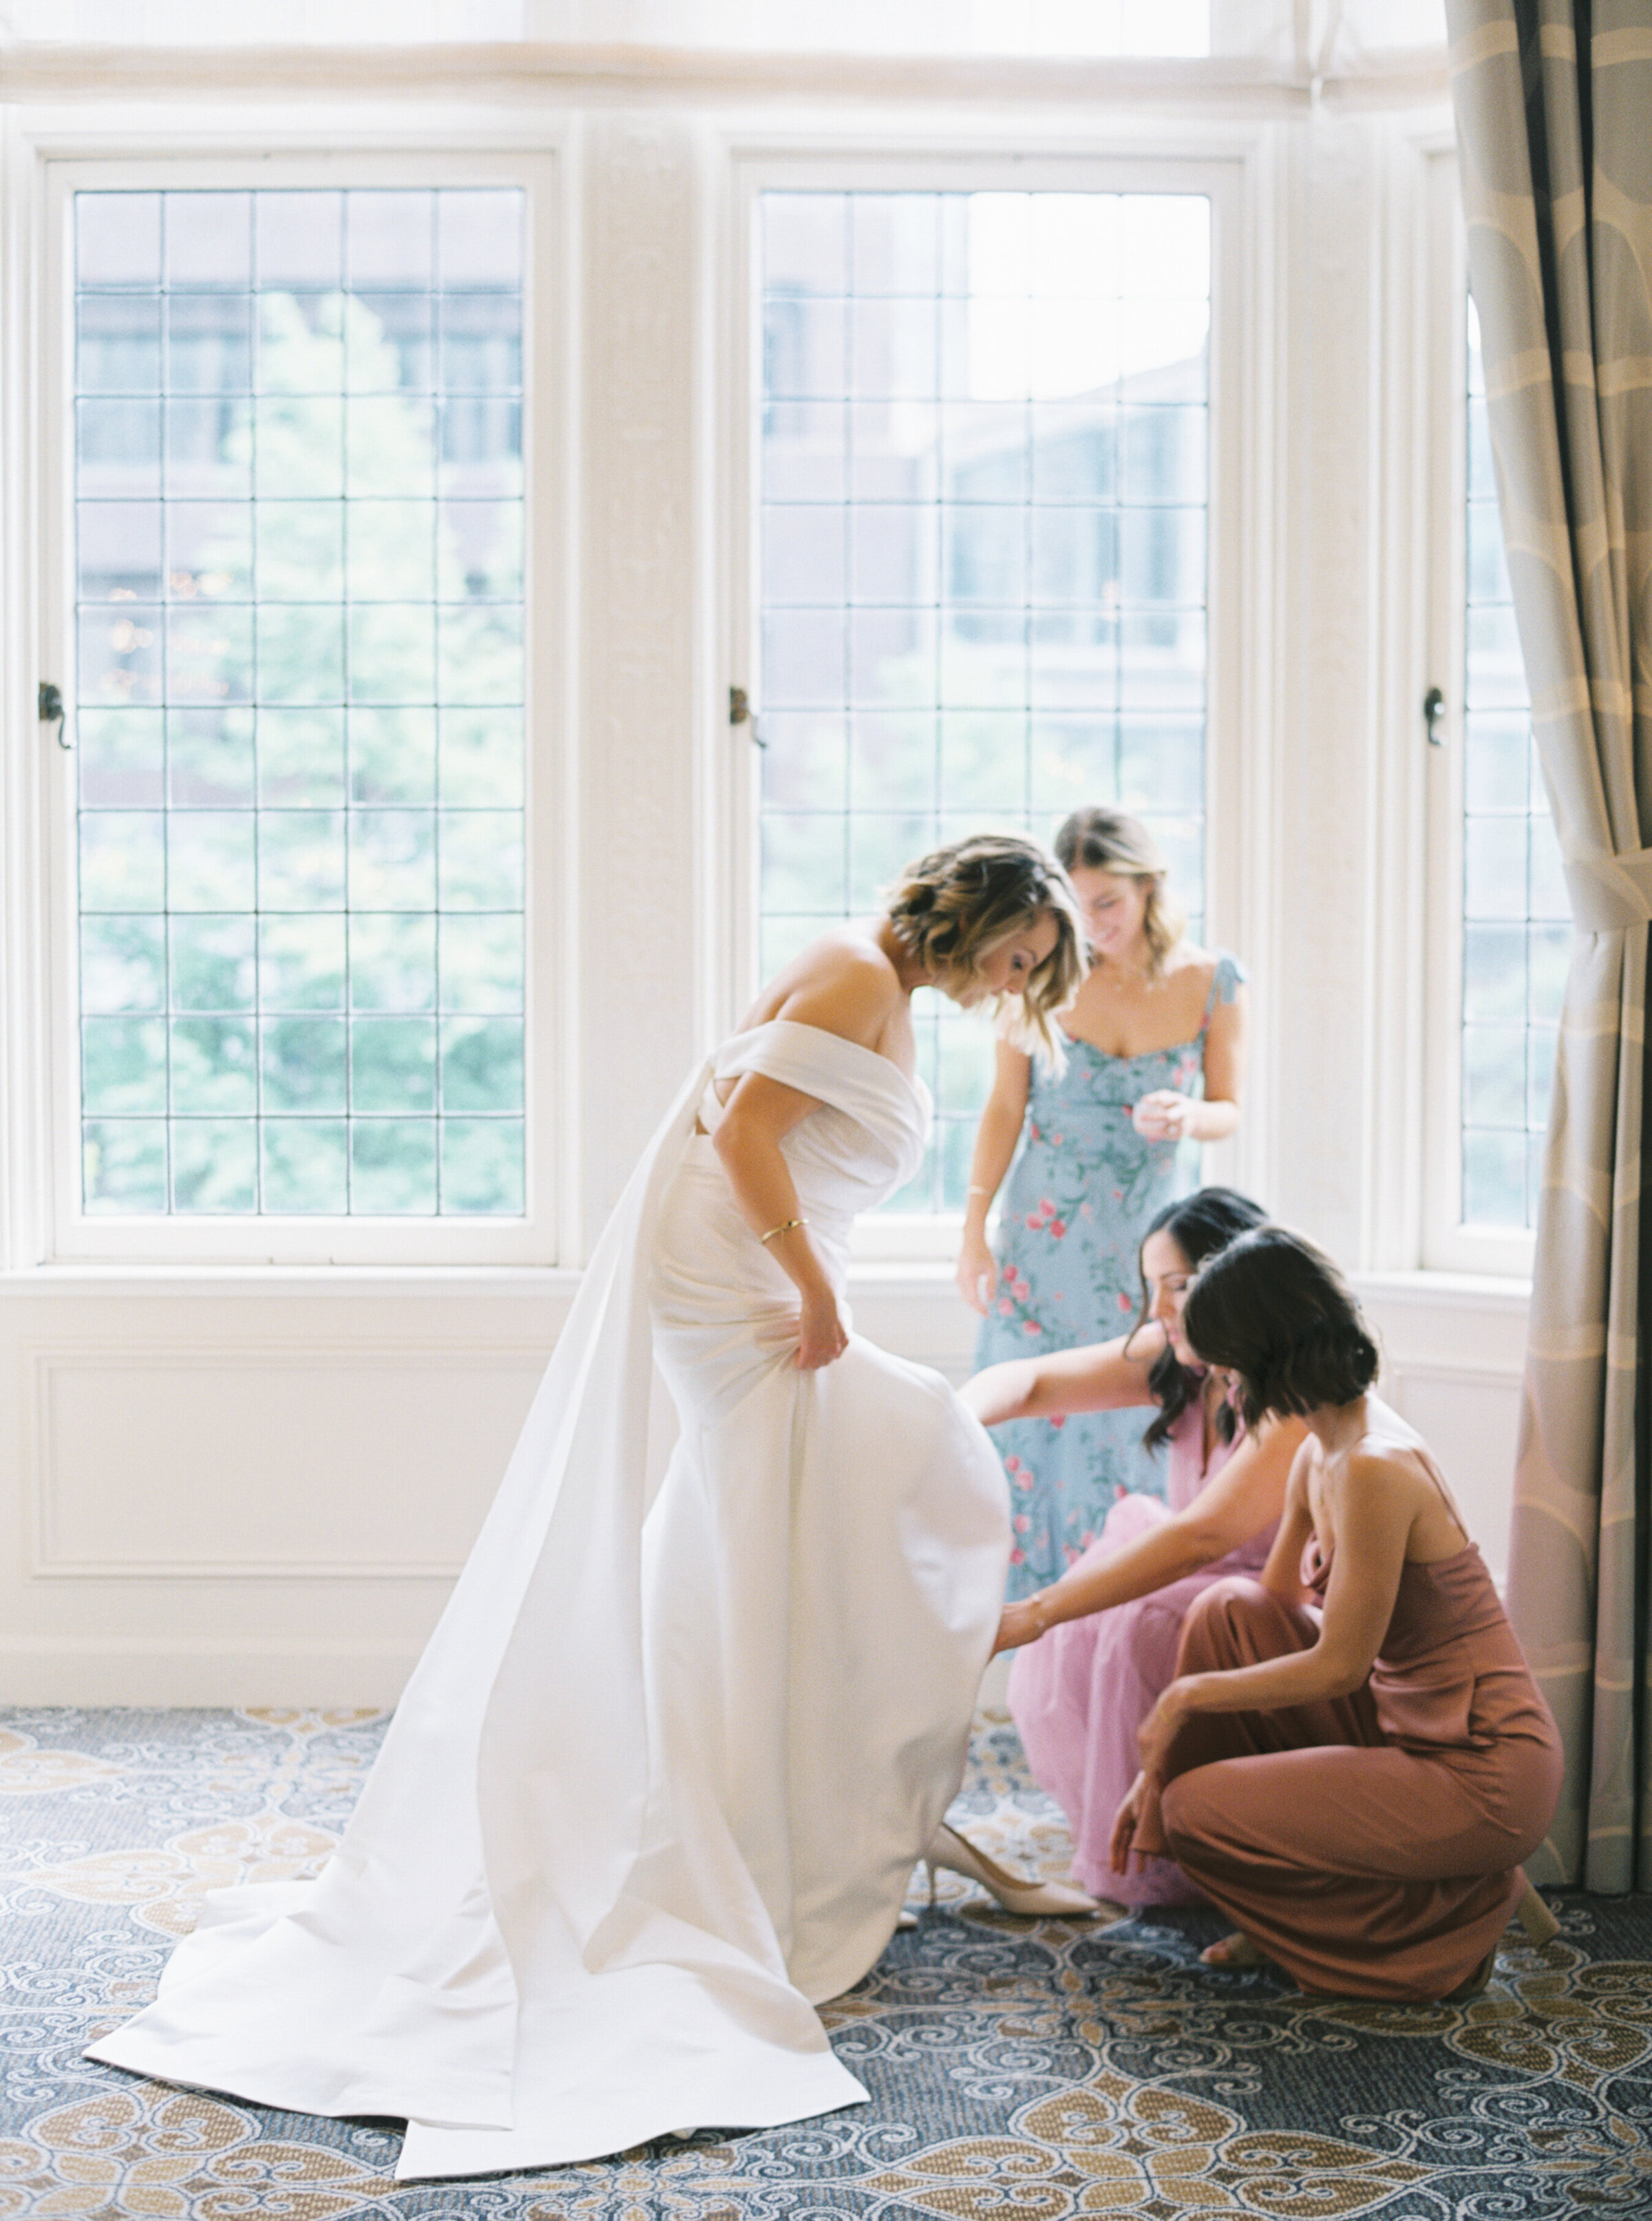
[1160, 1730]
[1163, 1116]
[978, 1270]
[822, 1336]
[1125, 1822]
[1020, 1623]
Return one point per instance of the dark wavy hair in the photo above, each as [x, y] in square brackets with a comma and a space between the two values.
[1277, 1312]
[1200, 1225]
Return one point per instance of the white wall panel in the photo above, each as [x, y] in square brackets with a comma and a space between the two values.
[223, 1489]
[297, 1464]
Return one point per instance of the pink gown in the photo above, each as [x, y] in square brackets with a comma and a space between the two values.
[1079, 1694]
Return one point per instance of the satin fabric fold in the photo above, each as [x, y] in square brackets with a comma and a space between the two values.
[657, 1784]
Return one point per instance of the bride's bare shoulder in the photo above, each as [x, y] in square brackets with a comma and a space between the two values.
[842, 983]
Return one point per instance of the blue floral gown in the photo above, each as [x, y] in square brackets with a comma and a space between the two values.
[1073, 1210]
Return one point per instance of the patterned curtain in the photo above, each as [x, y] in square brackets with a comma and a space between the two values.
[1554, 100]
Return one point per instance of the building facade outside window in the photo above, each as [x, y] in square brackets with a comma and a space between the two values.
[985, 462]
[297, 701]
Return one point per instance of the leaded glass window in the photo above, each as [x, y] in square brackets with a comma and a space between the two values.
[1516, 918]
[298, 513]
[985, 448]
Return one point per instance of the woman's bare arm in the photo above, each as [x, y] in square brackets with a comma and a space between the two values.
[1246, 1496]
[1282, 1574]
[756, 1118]
[1164, 1115]
[1103, 1376]
[1375, 1505]
[995, 1145]
[851, 992]
[1217, 1115]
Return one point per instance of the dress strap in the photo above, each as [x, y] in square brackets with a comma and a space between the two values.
[1226, 979]
[1425, 1458]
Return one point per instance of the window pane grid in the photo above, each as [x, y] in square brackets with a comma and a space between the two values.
[1516, 918]
[301, 687]
[982, 538]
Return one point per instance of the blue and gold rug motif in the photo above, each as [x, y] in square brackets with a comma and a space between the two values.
[1018, 2071]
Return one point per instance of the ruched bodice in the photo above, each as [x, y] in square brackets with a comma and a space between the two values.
[864, 1142]
[1449, 1670]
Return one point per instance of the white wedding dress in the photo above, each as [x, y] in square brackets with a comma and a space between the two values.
[657, 1783]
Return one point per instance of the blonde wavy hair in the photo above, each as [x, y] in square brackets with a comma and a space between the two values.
[1101, 839]
[953, 906]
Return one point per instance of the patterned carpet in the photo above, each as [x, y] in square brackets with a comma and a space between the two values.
[1023, 2070]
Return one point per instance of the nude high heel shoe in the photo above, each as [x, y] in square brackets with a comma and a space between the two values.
[1540, 1924]
[1050, 1898]
[1535, 1918]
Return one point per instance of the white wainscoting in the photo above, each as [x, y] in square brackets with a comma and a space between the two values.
[229, 1490]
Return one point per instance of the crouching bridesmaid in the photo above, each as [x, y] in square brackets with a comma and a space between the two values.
[1095, 1648]
[1355, 1786]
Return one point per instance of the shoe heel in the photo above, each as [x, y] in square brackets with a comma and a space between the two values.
[1475, 1985]
[929, 1868]
[1534, 1917]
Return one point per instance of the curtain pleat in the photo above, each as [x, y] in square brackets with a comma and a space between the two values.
[1553, 102]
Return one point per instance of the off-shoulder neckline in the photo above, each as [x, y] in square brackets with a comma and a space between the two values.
[913, 1085]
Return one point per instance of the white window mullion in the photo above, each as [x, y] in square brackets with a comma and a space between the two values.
[943, 360]
[1498, 925]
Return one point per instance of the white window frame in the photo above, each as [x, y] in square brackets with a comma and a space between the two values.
[1228, 165]
[1448, 1245]
[170, 152]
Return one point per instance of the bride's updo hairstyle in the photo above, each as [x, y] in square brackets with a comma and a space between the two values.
[954, 905]
[1277, 1312]
[1201, 1225]
[1099, 840]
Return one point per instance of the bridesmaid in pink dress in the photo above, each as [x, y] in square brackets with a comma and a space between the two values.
[1100, 1644]
[1354, 1785]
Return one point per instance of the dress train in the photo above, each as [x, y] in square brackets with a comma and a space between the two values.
[659, 1781]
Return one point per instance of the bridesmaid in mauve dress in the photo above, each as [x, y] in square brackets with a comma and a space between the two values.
[1356, 1786]
[1095, 1649]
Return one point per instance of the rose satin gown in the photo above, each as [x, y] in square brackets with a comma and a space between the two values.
[1371, 1844]
[1079, 1694]
[657, 1786]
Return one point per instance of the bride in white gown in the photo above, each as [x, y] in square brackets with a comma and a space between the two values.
[656, 1787]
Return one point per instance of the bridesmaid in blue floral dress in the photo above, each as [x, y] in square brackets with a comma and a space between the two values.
[1155, 1046]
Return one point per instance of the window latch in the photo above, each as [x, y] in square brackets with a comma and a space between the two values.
[1433, 708]
[50, 711]
[741, 713]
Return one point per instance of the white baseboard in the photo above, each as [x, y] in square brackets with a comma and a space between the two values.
[159, 1670]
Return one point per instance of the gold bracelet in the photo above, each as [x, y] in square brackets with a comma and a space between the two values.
[785, 1227]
